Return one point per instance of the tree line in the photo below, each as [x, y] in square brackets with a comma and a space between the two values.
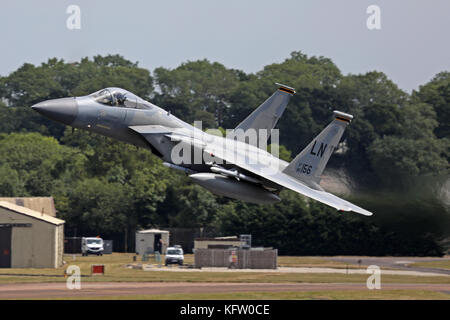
[394, 156]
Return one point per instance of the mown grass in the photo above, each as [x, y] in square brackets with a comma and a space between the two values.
[116, 262]
[313, 262]
[230, 277]
[289, 295]
[443, 264]
[115, 271]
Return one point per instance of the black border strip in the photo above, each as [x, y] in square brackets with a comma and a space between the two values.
[286, 90]
[343, 119]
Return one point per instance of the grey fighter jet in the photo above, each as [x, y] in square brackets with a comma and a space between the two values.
[229, 166]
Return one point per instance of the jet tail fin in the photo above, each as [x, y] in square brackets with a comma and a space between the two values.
[309, 164]
[267, 114]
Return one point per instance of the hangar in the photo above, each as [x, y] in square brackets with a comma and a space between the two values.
[44, 205]
[29, 239]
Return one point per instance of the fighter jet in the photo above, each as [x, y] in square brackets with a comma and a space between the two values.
[230, 165]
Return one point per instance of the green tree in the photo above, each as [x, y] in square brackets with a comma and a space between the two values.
[197, 90]
[10, 183]
[357, 92]
[195, 207]
[99, 207]
[38, 161]
[437, 94]
[414, 152]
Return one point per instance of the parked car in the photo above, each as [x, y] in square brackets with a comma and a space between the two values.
[174, 255]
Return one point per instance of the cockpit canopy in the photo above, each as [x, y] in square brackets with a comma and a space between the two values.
[119, 98]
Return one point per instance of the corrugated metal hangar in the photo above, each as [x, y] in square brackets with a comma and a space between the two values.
[29, 239]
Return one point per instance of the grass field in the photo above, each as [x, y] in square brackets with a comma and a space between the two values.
[445, 264]
[313, 262]
[313, 295]
[115, 271]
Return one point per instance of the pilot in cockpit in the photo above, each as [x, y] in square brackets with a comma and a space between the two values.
[120, 98]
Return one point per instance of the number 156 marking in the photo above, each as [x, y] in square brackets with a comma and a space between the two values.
[304, 168]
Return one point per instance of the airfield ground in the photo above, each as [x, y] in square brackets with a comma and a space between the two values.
[296, 278]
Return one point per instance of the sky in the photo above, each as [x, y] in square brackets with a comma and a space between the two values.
[411, 46]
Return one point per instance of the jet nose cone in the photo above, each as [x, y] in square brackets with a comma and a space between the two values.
[62, 110]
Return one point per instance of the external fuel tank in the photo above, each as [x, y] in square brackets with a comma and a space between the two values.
[232, 188]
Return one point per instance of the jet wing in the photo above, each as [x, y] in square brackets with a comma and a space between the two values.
[188, 139]
[286, 181]
[154, 133]
[150, 129]
[322, 196]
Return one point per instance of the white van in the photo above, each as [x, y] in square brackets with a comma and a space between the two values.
[91, 245]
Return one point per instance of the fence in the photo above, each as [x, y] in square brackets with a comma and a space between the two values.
[255, 258]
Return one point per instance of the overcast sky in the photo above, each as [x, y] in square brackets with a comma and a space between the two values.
[411, 47]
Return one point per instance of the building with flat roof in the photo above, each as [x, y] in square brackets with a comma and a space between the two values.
[151, 240]
[218, 243]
